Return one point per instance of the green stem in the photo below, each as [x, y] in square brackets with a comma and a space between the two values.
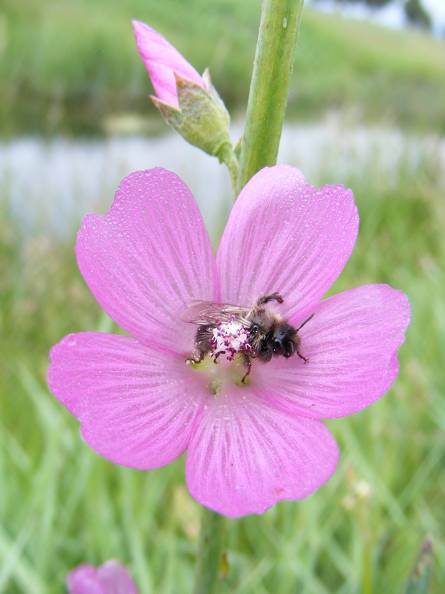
[227, 156]
[265, 116]
[211, 541]
[272, 68]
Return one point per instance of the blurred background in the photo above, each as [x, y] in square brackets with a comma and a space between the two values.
[367, 109]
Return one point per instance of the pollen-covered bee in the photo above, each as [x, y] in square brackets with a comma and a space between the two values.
[256, 332]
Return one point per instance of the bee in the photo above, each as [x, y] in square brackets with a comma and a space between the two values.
[256, 332]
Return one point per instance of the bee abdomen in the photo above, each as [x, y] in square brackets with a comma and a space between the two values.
[203, 338]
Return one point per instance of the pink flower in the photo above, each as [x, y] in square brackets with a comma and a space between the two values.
[162, 61]
[139, 403]
[109, 578]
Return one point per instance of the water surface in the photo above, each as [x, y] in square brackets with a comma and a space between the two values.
[49, 185]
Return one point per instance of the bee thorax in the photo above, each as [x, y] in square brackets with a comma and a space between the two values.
[228, 339]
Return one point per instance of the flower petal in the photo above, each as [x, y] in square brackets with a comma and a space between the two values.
[109, 578]
[136, 405]
[148, 258]
[83, 580]
[351, 343]
[115, 578]
[162, 60]
[245, 455]
[284, 235]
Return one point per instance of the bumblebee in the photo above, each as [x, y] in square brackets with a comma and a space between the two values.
[257, 332]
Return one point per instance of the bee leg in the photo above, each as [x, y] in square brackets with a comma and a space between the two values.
[215, 357]
[196, 357]
[272, 297]
[305, 359]
[248, 365]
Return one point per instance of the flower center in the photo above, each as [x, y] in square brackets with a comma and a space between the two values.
[228, 339]
[218, 375]
[234, 337]
[228, 344]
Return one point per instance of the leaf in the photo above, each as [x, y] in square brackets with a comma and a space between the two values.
[224, 566]
[420, 579]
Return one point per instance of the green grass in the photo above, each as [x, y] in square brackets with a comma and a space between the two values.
[60, 504]
[68, 66]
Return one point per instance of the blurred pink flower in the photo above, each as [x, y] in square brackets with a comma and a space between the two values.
[109, 578]
[162, 61]
[140, 405]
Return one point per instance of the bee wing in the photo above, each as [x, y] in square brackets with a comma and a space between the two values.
[207, 312]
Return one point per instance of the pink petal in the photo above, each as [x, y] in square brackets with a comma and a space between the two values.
[148, 257]
[246, 455]
[83, 580]
[351, 343]
[136, 405]
[162, 60]
[115, 579]
[284, 235]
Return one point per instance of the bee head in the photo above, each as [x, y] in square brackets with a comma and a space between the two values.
[254, 330]
[266, 350]
[271, 336]
[283, 340]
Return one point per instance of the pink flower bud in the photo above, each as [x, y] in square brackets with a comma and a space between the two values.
[109, 578]
[162, 61]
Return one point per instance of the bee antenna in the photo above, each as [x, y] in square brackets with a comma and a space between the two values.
[272, 297]
[305, 322]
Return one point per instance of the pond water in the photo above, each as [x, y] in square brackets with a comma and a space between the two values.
[391, 14]
[48, 185]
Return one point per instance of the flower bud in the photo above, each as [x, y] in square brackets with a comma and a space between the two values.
[201, 117]
[188, 102]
